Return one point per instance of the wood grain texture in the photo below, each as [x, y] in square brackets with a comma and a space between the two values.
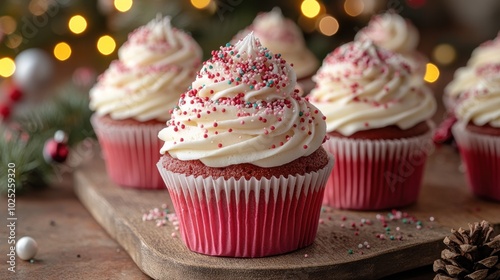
[72, 245]
[161, 256]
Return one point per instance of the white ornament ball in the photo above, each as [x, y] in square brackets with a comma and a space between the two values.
[26, 248]
[34, 69]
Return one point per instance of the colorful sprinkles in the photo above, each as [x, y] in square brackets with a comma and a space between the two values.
[387, 227]
[243, 84]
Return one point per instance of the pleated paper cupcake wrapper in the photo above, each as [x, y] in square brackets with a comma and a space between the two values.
[376, 174]
[481, 156]
[247, 218]
[130, 153]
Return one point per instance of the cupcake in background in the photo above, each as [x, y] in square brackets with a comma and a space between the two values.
[281, 35]
[378, 125]
[132, 99]
[243, 158]
[466, 77]
[397, 34]
[477, 131]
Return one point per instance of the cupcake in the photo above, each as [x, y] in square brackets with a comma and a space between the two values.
[281, 35]
[132, 99]
[243, 158]
[465, 77]
[397, 34]
[378, 125]
[477, 132]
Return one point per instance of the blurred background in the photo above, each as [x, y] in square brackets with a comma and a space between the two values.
[51, 51]
[84, 35]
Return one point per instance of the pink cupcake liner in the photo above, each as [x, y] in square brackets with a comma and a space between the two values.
[481, 156]
[130, 153]
[376, 174]
[247, 218]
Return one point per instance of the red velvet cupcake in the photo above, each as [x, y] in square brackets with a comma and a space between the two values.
[377, 121]
[465, 78]
[477, 132]
[133, 97]
[243, 160]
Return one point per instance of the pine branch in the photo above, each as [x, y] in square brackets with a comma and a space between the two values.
[23, 145]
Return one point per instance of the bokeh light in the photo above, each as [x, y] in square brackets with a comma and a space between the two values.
[7, 67]
[310, 8]
[38, 7]
[123, 5]
[354, 7]
[77, 24]
[106, 45]
[8, 24]
[431, 73]
[13, 41]
[328, 25]
[62, 51]
[444, 54]
[200, 4]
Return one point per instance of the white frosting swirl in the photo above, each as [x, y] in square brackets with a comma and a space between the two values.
[481, 102]
[361, 87]
[155, 66]
[281, 35]
[397, 34]
[243, 108]
[465, 77]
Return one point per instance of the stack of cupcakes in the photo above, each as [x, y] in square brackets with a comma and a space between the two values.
[243, 158]
[133, 97]
[281, 35]
[377, 117]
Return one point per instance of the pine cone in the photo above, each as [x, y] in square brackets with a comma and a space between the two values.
[471, 254]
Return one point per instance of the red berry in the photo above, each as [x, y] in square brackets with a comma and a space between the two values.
[4, 111]
[15, 94]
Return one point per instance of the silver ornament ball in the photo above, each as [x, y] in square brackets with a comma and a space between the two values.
[34, 69]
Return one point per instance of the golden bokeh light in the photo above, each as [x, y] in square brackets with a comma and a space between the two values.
[200, 4]
[106, 45]
[8, 24]
[38, 7]
[62, 51]
[123, 5]
[354, 7]
[444, 54]
[328, 25]
[310, 8]
[77, 24]
[13, 41]
[7, 67]
[431, 73]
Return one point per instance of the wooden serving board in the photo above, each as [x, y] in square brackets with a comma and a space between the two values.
[160, 255]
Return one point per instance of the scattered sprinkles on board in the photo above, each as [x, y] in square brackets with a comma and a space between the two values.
[387, 227]
[161, 217]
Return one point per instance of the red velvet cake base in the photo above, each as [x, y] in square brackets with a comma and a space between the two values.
[376, 174]
[247, 217]
[480, 152]
[131, 151]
